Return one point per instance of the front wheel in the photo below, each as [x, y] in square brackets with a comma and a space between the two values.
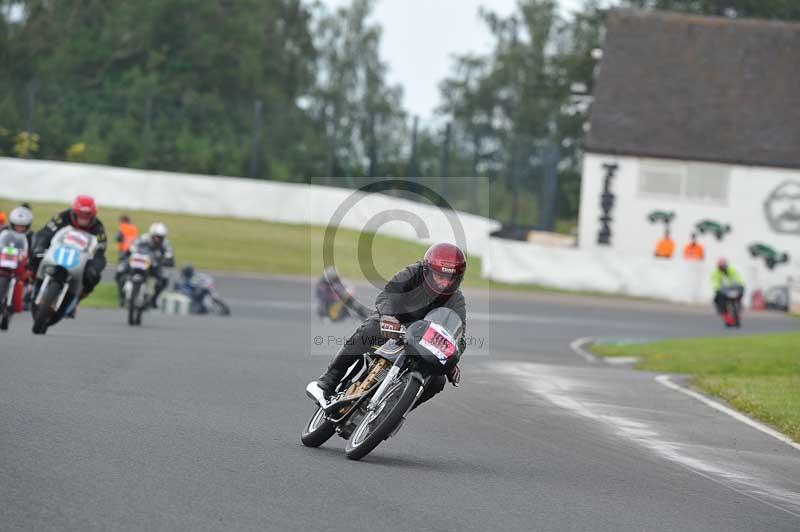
[5, 303]
[381, 422]
[134, 312]
[44, 311]
[318, 430]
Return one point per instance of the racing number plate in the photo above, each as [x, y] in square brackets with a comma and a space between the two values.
[439, 342]
[77, 240]
[9, 258]
[140, 262]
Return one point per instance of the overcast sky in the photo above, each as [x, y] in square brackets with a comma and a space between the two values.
[420, 36]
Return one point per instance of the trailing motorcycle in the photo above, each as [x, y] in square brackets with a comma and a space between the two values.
[372, 401]
[13, 254]
[732, 304]
[138, 288]
[59, 279]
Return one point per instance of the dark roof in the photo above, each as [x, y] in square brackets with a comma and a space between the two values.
[698, 88]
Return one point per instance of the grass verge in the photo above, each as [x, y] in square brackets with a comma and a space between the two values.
[758, 375]
[103, 296]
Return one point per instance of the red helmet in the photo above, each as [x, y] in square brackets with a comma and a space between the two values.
[722, 263]
[443, 268]
[84, 212]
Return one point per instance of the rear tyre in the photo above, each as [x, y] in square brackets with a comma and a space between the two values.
[380, 423]
[318, 430]
[44, 312]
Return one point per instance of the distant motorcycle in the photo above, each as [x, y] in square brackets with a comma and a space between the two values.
[372, 401]
[139, 286]
[13, 254]
[732, 304]
[336, 299]
[201, 290]
[59, 279]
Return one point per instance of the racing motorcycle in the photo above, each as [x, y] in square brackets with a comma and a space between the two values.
[372, 401]
[138, 288]
[59, 278]
[732, 304]
[202, 291]
[13, 253]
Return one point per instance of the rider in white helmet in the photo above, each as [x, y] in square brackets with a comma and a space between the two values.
[20, 221]
[155, 241]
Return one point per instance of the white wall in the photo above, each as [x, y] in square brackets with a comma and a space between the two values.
[633, 236]
[597, 270]
[232, 197]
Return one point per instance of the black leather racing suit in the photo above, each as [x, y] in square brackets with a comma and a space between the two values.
[406, 298]
[94, 267]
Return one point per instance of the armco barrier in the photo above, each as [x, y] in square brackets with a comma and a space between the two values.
[234, 197]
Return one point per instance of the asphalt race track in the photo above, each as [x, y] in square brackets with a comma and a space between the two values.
[193, 423]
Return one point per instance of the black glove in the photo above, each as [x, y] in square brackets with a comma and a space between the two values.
[90, 277]
[455, 375]
[390, 327]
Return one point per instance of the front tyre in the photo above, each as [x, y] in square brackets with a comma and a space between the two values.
[318, 430]
[134, 313]
[44, 311]
[381, 422]
[5, 304]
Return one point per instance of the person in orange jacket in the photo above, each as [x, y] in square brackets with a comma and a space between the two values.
[694, 250]
[665, 247]
[126, 234]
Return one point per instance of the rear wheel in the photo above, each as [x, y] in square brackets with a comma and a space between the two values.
[44, 311]
[318, 430]
[381, 422]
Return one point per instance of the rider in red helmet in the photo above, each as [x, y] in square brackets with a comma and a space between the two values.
[408, 296]
[82, 215]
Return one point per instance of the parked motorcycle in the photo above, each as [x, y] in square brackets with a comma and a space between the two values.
[138, 288]
[372, 401]
[732, 304]
[13, 254]
[60, 276]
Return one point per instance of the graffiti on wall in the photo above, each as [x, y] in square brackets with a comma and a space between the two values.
[717, 229]
[768, 254]
[782, 208]
[607, 200]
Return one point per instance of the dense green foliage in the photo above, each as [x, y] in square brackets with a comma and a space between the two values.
[290, 90]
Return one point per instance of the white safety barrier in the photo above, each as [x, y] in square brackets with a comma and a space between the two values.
[235, 197]
[607, 271]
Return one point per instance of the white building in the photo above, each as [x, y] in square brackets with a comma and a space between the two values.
[699, 117]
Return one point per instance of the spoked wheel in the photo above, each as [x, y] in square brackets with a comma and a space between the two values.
[5, 306]
[379, 424]
[44, 311]
[134, 313]
[318, 430]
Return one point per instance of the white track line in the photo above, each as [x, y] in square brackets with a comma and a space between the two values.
[665, 380]
[577, 348]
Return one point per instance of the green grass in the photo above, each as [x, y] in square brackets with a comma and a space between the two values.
[103, 296]
[233, 244]
[759, 375]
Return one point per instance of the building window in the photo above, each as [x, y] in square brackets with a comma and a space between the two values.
[694, 181]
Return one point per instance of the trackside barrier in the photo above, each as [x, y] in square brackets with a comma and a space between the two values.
[272, 201]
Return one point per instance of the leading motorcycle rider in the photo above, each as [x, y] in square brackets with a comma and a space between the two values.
[81, 215]
[408, 296]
